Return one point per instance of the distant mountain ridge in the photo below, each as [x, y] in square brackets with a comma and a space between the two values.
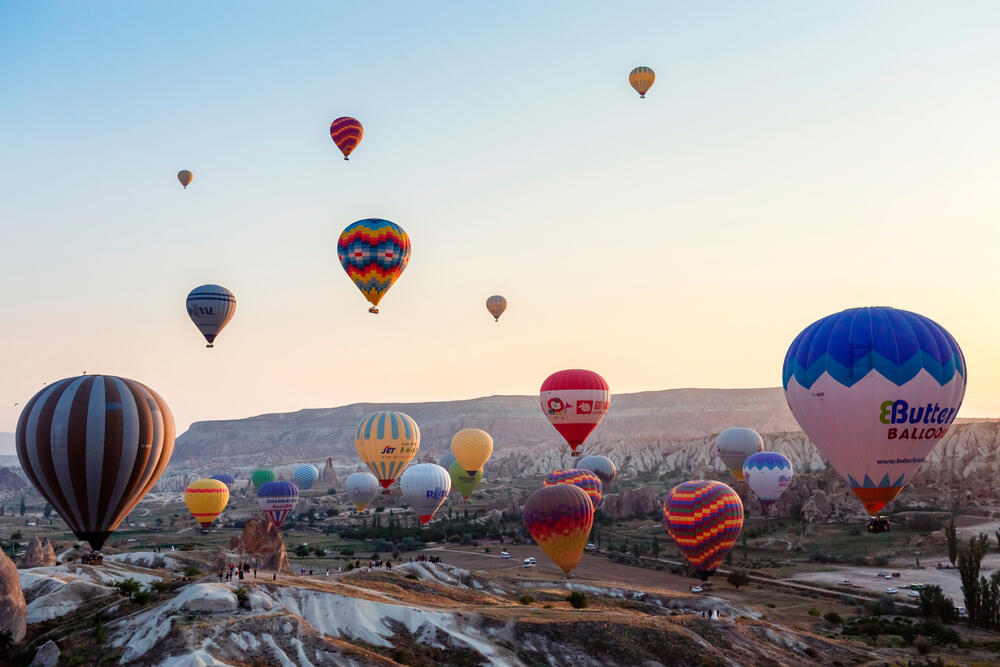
[514, 422]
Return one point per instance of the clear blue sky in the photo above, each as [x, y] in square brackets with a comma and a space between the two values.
[792, 159]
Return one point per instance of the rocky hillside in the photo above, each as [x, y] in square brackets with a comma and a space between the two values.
[514, 421]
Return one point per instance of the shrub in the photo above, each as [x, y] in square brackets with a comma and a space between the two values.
[814, 612]
[738, 578]
[142, 597]
[318, 552]
[302, 551]
[346, 551]
[128, 588]
[412, 576]
[241, 596]
[526, 599]
[191, 571]
[577, 599]
[923, 645]
[833, 618]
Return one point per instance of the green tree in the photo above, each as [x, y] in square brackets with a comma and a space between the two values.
[302, 551]
[738, 578]
[969, 559]
[655, 548]
[934, 604]
[23, 507]
[47, 512]
[319, 553]
[951, 534]
[128, 588]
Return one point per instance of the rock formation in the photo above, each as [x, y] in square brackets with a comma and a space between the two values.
[261, 542]
[13, 610]
[12, 486]
[46, 656]
[630, 502]
[39, 553]
[329, 476]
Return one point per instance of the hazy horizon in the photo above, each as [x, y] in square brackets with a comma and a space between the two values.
[790, 161]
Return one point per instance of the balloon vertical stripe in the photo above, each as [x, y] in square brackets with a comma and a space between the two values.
[93, 446]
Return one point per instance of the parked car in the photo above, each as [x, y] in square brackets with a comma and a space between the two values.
[696, 589]
[961, 611]
[528, 563]
[891, 591]
[844, 582]
[591, 546]
[532, 560]
[913, 594]
[504, 554]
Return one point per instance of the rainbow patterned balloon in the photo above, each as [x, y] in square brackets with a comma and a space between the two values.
[584, 479]
[560, 517]
[346, 132]
[704, 518]
[374, 253]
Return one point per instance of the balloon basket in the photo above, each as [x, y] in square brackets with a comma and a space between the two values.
[210, 346]
[347, 159]
[575, 454]
[373, 310]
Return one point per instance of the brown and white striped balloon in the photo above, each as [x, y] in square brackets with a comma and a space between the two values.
[93, 446]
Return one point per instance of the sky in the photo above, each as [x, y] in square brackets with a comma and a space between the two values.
[791, 160]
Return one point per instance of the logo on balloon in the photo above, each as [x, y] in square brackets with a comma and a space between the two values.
[900, 412]
[388, 450]
[584, 407]
[556, 406]
[436, 493]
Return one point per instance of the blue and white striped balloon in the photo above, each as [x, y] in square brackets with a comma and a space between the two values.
[211, 307]
[306, 475]
[768, 474]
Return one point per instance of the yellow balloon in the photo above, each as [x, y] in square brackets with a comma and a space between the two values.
[387, 442]
[472, 448]
[205, 499]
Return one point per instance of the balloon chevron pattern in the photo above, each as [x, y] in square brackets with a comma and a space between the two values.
[559, 518]
[374, 252]
[704, 518]
[346, 132]
[586, 480]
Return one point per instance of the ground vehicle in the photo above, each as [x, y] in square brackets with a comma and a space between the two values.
[891, 591]
[591, 546]
[913, 594]
[961, 611]
[696, 589]
[528, 563]
[844, 582]
[504, 554]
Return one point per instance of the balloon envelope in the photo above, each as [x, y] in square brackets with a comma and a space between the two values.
[374, 252]
[425, 487]
[875, 389]
[387, 442]
[496, 304]
[211, 307]
[704, 517]
[305, 476]
[472, 448]
[362, 488]
[225, 478]
[278, 499]
[185, 177]
[589, 482]
[734, 445]
[601, 466]
[261, 476]
[641, 78]
[462, 481]
[575, 401]
[205, 499]
[767, 474]
[446, 460]
[346, 132]
[93, 446]
[559, 518]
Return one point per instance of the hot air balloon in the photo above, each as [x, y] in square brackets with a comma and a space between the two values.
[278, 499]
[472, 448]
[211, 307]
[361, 487]
[262, 476]
[641, 78]
[462, 481]
[704, 517]
[346, 132]
[93, 446]
[386, 443]
[205, 499]
[496, 304]
[446, 460]
[768, 474]
[601, 466]
[225, 478]
[374, 253]
[585, 479]
[425, 487]
[734, 445]
[185, 177]
[575, 401]
[875, 389]
[559, 518]
[305, 476]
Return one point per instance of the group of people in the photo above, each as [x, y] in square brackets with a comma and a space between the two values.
[239, 570]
